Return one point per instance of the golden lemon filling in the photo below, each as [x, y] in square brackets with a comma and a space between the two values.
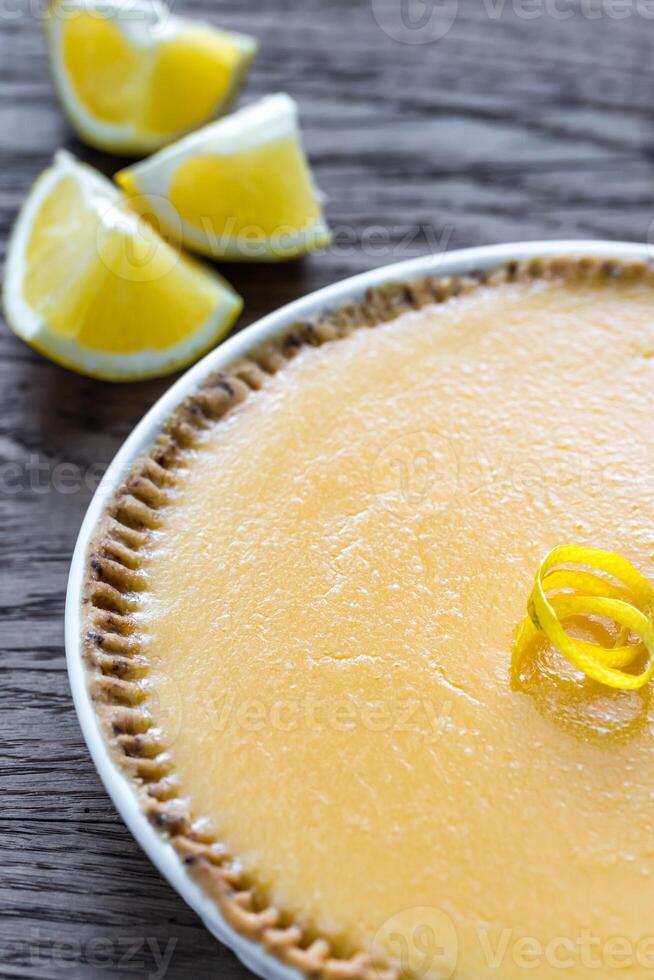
[331, 608]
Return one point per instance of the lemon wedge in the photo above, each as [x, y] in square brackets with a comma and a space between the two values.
[133, 77]
[241, 188]
[92, 286]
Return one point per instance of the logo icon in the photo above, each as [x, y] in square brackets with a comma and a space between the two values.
[421, 942]
[416, 469]
[415, 21]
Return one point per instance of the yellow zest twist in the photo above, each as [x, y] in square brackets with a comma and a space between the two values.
[560, 592]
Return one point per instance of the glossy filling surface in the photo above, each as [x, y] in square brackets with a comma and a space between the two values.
[331, 608]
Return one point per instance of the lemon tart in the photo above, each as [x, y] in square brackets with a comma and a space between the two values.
[300, 610]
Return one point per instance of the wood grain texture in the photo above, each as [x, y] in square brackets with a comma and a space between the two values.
[517, 123]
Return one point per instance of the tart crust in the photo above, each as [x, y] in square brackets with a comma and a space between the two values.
[115, 579]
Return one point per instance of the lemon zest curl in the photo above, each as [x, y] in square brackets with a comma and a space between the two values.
[560, 592]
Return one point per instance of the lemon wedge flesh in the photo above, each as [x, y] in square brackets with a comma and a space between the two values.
[240, 188]
[134, 77]
[92, 285]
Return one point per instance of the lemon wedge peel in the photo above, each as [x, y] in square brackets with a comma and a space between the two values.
[239, 189]
[132, 79]
[101, 293]
[560, 592]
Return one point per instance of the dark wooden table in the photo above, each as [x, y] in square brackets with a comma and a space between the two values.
[524, 120]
